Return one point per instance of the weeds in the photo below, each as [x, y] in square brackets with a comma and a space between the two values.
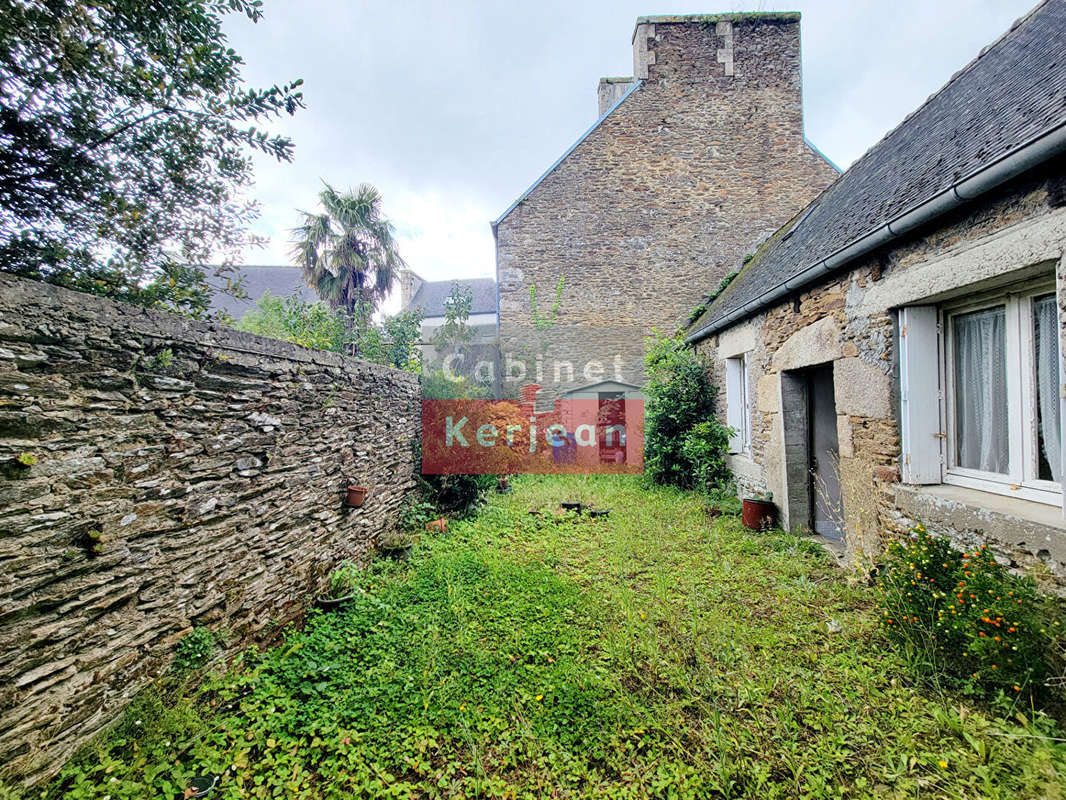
[652, 654]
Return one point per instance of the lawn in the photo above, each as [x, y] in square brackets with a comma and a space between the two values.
[656, 653]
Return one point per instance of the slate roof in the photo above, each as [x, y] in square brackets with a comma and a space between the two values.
[280, 281]
[1014, 91]
[431, 295]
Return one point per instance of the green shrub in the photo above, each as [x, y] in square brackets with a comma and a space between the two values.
[684, 444]
[416, 512]
[345, 579]
[705, 447]
[965, 616]
[195, 650]
[393, 343]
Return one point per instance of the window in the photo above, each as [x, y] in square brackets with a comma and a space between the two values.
[738, 414]
[1002, 402]
[979, 391]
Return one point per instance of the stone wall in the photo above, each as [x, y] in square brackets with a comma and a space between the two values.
[690, 173]
[850, 321]
[186, 474]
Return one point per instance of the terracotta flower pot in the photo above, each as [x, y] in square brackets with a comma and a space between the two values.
[437, 525]
[355, 496]
[758, 515]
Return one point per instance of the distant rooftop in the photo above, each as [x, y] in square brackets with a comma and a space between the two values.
[280, 281]
[431, 295]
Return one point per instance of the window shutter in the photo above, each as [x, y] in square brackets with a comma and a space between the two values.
[919, 372]
[734, 402]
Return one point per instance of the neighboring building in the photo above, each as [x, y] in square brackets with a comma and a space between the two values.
[431, 298]
[478, 358]
[692, 163]
[280, 281]
[892, 355]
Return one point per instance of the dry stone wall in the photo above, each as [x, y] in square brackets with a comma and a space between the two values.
[185, 474]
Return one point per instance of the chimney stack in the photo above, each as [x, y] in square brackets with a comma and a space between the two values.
[409, 286]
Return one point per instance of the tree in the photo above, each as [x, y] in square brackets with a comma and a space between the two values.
[126, 136]
[454, 331]
[347, 251]
[684, 444]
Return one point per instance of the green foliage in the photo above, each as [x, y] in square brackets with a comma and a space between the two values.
[696, 313]
[965, 616]
[455, 494]
[416, 512]
[345, 579]
[454, 331]
[128, 139]
[520, 657]
[705, 447]
[393, 343]
[438, 386]
[544, 322]
[725, 500]
[27, 459]
[347, 251]
[680, 397]
[162, 360]
[701, 309]
[314, 325]
[195, 649]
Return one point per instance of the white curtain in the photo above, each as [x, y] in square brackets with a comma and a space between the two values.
[1046, 337]
[981, 390]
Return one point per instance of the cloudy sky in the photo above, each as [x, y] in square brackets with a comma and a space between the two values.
[453, 108]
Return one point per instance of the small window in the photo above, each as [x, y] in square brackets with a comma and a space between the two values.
[738, 412]
[1001, 373]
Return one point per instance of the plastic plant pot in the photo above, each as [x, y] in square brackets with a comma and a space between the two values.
[355, 496]
[200, 786]
[758, 515]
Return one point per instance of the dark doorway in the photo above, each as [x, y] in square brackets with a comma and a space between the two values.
[823, 454]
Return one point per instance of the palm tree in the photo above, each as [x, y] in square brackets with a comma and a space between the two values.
[347, 251]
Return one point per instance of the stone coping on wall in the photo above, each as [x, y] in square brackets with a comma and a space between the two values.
[1034, 528]
[174, 327]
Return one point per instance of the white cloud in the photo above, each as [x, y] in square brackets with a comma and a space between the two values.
[452, 110]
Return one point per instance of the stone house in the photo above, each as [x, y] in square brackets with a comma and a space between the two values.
[693, 161]
[477, 358]
[892, 354]
[431, 298]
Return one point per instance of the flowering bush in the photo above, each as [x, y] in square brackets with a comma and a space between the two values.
[966, 615]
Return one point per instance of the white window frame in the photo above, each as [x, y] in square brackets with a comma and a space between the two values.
[1021, 479]
[738, 404]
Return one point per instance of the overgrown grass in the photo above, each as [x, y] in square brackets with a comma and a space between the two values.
[651, 654]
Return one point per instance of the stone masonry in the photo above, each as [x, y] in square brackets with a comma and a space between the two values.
[849, 320]
[184, 474]
[692, 170]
